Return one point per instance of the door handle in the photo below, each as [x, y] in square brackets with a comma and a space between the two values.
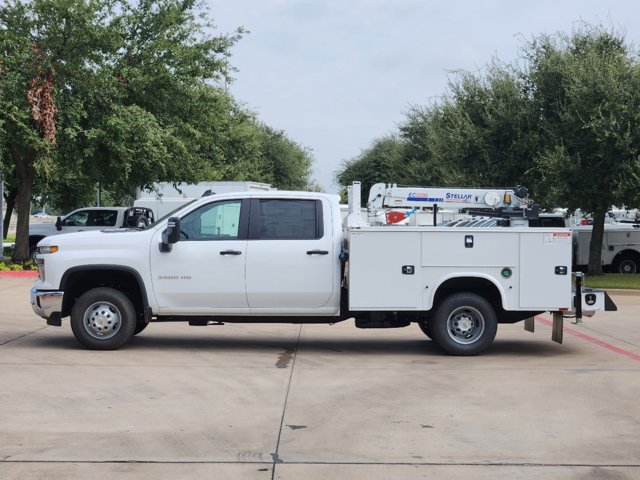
[317, 252]
[230, 252]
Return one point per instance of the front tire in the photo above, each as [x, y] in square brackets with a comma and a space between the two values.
[464, 324]
[103, 319]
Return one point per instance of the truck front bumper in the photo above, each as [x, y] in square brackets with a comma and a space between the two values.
[47, 303]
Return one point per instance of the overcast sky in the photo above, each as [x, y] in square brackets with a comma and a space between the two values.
[337, 74]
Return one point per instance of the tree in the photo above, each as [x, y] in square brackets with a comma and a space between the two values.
[585, 89]
[104, 88]
[288, 163]
[385, 161]
[479, 134]
[38, 45]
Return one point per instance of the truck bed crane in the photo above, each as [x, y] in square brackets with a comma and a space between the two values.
[510, 203]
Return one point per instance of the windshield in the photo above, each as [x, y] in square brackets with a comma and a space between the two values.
[164, 217]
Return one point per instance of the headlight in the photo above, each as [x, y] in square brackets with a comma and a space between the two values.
[48, 249]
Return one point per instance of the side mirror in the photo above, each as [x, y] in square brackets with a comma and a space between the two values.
[171, 235]
[59, 224]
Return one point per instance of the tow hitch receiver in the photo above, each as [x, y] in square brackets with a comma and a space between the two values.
[586, 302]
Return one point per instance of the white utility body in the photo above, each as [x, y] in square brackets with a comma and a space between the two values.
[620, 246]
[278, 256]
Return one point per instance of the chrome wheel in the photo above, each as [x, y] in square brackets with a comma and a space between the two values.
[102, 320]
[465, 325]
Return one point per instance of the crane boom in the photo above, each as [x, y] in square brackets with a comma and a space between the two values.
[387, 196]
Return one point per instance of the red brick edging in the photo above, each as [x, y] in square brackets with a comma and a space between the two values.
[19, 274]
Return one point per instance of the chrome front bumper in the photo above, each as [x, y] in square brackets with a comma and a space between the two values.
[46, 303]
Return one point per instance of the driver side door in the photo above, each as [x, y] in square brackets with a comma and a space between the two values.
[204, 273]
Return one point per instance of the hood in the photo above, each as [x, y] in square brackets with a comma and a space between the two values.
[98, 239]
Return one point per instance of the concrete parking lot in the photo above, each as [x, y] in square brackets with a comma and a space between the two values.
[315, 402]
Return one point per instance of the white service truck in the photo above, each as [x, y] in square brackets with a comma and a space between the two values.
[620, 247]
[279, 256]
[92, 218]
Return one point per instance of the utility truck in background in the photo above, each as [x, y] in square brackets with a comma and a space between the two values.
[620, 247]
[276, 256]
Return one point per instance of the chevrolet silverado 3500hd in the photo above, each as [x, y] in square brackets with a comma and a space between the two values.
[287, 257]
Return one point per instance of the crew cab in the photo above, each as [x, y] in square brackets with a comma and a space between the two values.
[287, 257]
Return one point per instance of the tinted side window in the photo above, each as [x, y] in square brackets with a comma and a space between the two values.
[103, 218]
[78, 219]
[289, 219]
[214, 221]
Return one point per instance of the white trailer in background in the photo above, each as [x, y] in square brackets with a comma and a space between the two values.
[165, 197]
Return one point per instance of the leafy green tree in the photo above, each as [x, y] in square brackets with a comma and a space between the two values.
[477, 135]
[288, 164]
[385, 161]
[585, 88]
[43, 46]
[105, 91]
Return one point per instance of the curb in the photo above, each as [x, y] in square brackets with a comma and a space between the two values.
[19, 274]
[620, 291]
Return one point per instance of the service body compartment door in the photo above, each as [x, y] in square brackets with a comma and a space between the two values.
[545, 269]
[384, 269]
[474, 248]
[292, 261]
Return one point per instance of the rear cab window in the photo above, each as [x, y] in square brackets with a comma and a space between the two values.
[286, 219]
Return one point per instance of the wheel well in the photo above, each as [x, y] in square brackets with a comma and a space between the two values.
[627, 254]
[76, 283]
[487, 290]
[479, 286]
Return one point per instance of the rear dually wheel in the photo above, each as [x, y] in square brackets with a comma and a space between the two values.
[464, 324]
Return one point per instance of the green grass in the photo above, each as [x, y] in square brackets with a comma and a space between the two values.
[614, 280]
[11, 238]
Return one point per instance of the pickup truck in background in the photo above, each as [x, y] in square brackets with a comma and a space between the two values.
[94, 218]
[279, 256]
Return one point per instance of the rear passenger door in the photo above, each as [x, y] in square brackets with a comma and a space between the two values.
[290, 255]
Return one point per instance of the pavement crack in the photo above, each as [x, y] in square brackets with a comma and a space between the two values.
[21, 336]
[292, 357]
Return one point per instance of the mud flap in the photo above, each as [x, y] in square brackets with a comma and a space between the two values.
[556, 332]
[529, 324]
